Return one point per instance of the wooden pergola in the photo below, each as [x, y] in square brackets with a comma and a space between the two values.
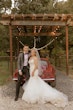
[37, 25]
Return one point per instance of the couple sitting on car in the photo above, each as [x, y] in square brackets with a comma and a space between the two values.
[35, 89]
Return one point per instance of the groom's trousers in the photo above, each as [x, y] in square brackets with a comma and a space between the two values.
[25, 71]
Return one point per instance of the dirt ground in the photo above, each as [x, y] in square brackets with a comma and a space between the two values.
[7, 93]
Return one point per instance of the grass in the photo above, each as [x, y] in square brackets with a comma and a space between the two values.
[5, 75]
[61, 65]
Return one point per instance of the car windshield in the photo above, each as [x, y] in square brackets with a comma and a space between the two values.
[43, 63]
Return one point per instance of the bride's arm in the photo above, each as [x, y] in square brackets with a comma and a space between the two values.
[36, 65]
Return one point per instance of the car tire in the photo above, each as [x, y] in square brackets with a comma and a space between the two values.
[53, 84]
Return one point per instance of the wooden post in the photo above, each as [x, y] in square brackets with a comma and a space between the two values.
[11, 52]
[67, 66]
[18, 47]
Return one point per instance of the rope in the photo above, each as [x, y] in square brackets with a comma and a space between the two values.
[34, 42]
[21, 43]
[43, 46]
[47, 44]
[54, 3]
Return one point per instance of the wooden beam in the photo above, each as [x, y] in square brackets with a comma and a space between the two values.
[5, 22]
[33, 16]
[29, 22]
[71, 23]
[67, 66]
[33, 23]
[56, 17]
[38, 34]
[64, 17]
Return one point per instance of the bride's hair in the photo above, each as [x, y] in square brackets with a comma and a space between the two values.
[34, 50]
[39, 60]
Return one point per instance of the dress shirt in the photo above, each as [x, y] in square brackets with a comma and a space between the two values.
[25, 59]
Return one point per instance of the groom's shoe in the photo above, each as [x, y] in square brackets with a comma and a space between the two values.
[16, 98]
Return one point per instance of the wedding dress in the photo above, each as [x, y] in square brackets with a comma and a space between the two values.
[38, 91]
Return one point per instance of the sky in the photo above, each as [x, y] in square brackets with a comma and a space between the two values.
[8, 11]
[62, 0]
[12, 3]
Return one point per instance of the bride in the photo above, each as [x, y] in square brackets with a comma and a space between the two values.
[38, 91]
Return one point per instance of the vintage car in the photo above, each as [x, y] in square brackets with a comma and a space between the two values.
[48, 75]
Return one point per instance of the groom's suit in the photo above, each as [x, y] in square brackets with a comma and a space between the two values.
[23, 67]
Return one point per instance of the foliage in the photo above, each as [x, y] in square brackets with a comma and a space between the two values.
[4, 38]
[5, 5]
[58, 51]
[35, 6]
[4, 73]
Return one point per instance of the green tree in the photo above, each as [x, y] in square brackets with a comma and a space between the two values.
[35, 7]
[5, 5]
[4, 38]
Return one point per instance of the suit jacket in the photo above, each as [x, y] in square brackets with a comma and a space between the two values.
[20, 62]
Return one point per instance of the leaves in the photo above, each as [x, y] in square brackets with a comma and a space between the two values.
[35, 6]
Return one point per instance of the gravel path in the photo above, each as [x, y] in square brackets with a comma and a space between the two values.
[7, 94]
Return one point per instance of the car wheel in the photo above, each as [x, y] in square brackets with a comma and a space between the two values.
[53, 84]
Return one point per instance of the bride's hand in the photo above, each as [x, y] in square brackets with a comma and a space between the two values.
[32, 73]
[20, 73]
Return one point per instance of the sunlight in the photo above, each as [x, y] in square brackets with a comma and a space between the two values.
[62, 0]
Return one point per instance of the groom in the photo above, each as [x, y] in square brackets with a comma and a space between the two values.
[23, 68]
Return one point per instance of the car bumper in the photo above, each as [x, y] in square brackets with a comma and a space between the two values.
[47, 79]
